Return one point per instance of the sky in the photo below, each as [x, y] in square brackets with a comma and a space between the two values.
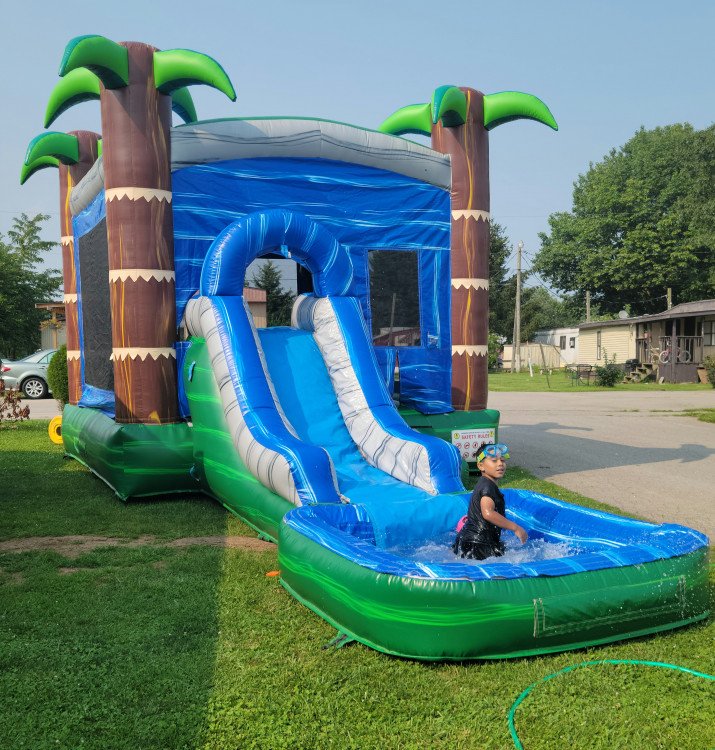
[604, 68]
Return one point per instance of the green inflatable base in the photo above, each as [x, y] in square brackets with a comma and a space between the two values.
[457, 619]
[218, 467]
[135, 460]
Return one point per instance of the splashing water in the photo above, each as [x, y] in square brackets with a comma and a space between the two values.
[440, 551]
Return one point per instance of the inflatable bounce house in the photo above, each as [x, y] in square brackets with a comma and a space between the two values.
[297, 429]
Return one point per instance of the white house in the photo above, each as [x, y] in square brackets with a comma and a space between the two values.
[676, 341]
[564, 340]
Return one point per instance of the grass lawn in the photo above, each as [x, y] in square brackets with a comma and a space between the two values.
[560, 381]
[704, 415]
[154, 646]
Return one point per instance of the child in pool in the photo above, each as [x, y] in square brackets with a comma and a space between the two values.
[480, 535]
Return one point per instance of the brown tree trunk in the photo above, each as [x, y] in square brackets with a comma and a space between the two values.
[69, 177]
[468, 146]
[136, 122]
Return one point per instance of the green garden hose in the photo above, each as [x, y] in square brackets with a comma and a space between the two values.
[663, 665]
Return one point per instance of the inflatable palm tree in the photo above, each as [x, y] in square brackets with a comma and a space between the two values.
[459, 120]
[73, 154]
[137, 86]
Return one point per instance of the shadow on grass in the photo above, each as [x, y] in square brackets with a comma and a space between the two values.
[45, 494]
[115, 649]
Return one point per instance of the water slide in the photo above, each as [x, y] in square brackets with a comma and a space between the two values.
[295, 431]
[308, 412]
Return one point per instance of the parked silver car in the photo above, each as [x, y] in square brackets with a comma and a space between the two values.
[28, 375]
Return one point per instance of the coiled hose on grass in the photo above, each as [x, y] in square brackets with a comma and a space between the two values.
[661, 664]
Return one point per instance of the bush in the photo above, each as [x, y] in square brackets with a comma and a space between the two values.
[11, 408]
[57, 377]
[709, 364]
[494, 345]
[609, 374]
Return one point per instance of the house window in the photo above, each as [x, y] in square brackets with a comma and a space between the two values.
[572, 342]
[598, 345]
[394, 297]
[562, 342]
[709, 333]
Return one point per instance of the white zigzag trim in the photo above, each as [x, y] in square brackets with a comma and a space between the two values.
[471, 214]
[66, 239]
[470, 283]
[73, 354]
[122, 274]
[471, 351]
[142, 353]
[135, 193]
[69, 299]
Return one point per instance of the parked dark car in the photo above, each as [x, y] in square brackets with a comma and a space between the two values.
[29, 374]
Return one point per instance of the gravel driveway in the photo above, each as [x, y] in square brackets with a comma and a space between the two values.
[620, 448]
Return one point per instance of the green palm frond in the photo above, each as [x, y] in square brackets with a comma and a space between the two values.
[105, 58]
[79, 85]
[175, 68]
[415, 118]
[61, 146]
[183, 104]
[514, 105]
[449, 104]
[42, 163]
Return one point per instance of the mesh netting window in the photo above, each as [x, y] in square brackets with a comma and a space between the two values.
[394, 297]
[96, 315]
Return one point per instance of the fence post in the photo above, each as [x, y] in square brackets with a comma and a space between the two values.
[546, 369]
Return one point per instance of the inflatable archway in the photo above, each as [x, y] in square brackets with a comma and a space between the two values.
[293, 234]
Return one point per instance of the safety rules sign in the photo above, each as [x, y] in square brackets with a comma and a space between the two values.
[468, 442]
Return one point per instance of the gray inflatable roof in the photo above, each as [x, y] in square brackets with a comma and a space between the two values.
[221, 140]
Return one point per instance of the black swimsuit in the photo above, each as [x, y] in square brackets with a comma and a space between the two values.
[478, 538]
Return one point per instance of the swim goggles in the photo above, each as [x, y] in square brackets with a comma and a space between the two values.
[498, 450]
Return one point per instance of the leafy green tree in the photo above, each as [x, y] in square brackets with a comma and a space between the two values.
[643, 220]
[539, 308]
[494, 345]
[279, 302]
[502, 283]
[23, 283]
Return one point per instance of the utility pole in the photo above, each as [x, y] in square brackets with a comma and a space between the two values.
[588, 307]
[670, 297]
[516, 341]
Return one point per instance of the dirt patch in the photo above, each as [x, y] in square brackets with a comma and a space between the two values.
[14, 578]
[74, 546]
[234, 542]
